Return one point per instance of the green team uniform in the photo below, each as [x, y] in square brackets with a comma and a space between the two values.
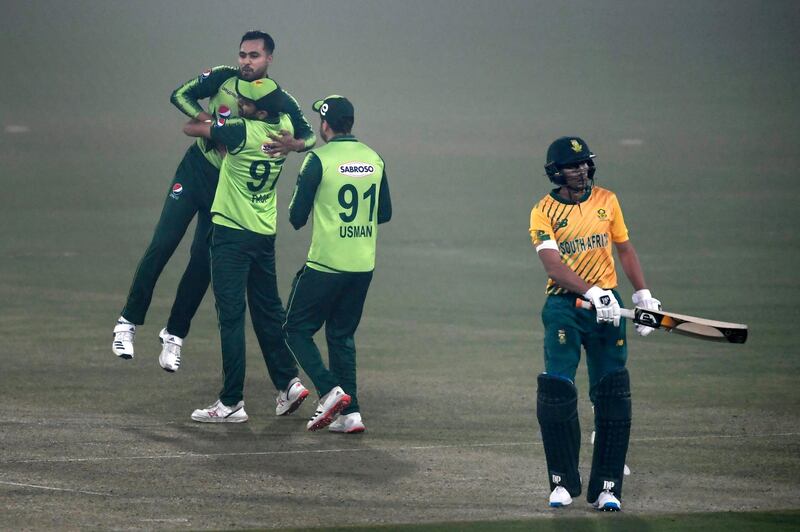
[243, 252]
[345, 184]
[192, 192]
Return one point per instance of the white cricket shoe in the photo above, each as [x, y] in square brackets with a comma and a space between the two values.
[219, 413]
[291, 398]
[607, 502]
[329, 405]
[124, 333]
[170, 357]
[348, 424]
[560, 497]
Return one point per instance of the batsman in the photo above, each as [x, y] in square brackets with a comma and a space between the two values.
[573, 229]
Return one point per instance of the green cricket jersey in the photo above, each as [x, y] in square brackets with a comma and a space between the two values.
[245, 197]
[345, 184]
[218, 84]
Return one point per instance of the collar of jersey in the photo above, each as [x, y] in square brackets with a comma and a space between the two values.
[343, 138]
[556, 196]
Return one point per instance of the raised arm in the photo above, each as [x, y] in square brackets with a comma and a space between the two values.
[186, 97]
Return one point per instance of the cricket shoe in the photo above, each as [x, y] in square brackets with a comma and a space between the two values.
[329, 405]
[291, 398]
[170, 357]
[607, 502]
[348, 424]
[219, 413]
[124, 333]
[560, 497]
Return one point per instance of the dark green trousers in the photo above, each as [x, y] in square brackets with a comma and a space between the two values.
[336, 300]
[243, 273]
[567, 329]
[191, 192]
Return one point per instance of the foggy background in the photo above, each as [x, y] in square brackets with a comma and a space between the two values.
[690, 106]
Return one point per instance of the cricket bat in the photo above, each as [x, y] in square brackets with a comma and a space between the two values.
[701, 328]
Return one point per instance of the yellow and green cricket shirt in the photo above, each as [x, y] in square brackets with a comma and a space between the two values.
[218, 84]
[582, 232]
[245, 196]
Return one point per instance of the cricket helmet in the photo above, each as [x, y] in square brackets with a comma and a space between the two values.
[566, 151]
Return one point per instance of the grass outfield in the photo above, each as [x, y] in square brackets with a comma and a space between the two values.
[690, 107]
[728, 521]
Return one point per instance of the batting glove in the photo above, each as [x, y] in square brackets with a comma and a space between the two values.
[605, 304]
[643, 299]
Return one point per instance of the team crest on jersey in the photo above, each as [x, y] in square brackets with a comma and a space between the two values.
[560, 224]
[562, 336]
[204, 76]
[223, 111]
[576, 146]
[177, 190]
[601, 214]
[356, 169]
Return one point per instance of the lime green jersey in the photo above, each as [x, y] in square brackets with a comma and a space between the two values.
[347, 182]
[218, 84]
[245, 196]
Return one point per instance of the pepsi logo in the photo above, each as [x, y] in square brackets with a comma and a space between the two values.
[175, 193]
[220, 122]
[206, 73]
[224, 111]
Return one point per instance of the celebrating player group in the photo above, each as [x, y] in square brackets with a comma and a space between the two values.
[228, 177]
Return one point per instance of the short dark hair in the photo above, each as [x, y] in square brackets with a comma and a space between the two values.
[342, 126]
[254, 35]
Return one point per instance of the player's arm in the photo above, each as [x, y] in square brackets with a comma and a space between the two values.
[186, 97]
[231, 133]
[559, 272]
[384, 201]
[630, 264]
[304, 137]
[305, 190]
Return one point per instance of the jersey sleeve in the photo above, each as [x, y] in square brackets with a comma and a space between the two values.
[302, 129]
[231, 133]
[619, 231]
[305, 190]
[541, 231]
[384, 200]
[205, 85]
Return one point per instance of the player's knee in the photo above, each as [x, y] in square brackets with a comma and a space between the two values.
[612, 396]
[556, 398]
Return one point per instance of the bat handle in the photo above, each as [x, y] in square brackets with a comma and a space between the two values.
[624, 312]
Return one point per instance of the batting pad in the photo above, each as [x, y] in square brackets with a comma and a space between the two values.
[557, 412]
[612, 421]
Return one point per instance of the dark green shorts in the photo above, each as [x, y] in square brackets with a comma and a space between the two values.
[567, 328]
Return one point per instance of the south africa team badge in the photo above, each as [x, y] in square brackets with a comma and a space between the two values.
[177, 190]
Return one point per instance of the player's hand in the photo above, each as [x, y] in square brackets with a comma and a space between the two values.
[282, 144]
[643, 299]
[605, 304]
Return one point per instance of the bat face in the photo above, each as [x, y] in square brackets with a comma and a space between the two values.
[704, 329]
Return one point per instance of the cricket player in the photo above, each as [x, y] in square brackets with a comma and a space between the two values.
[244, 219]
[344, 183]
[192, 192]
[573, 229]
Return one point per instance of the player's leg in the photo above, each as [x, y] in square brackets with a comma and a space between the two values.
[606, 355]
[308, 306]
[230, 267]
[177, 212]
[557, 399]
[340, 329]
[268, 316]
